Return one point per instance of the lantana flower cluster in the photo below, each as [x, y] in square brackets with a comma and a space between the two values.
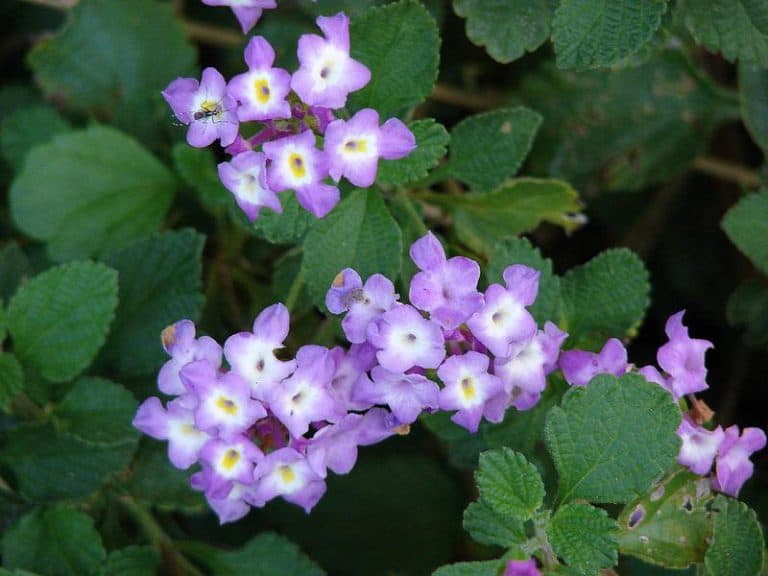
[293, 112]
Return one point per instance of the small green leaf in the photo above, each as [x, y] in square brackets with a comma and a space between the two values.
[59, 319]
[489, 527]
[267, 554]
[400, 45]
[288, 227]
[90, 192]
[753, 92]
[746, 224]
[27, 127]
[606, 297]
[509, 484]
[11, 376]
[611, 440]
[585, 537]
[431, 142]
[487, 149]
[507, 28]
[197, 166]
[14, 267]
[132, 561]
[360, 233]
[483, 568]
[58, 541]
[737, 540]
[748, 305]
[596, 33]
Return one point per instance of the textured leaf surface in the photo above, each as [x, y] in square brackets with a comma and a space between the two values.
[267, 554]
[509, 484]
[737, 540]
[507, 29]
[11, 376]
[596, 33]
[484, 568]
[90, 192]
[288, 227]
[360, 233]
[431, 142]
[584, 536]
[59, 319]
[56, 541]
[605, 298]
[400, 45]
[746, 224]
[736, 28]
[748, 305]
[487, 149]
[753, 92]
[131, 561]
[487, 526]
[611, 440]
[27, 127]
[160, 282]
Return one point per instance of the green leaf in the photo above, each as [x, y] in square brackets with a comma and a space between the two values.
[57, 541]
[489, 527]
[160, 281]
[509, 484]
[736, 28]
[753, 92]
[132, 561]
[746, 224]
[288, 227]
[91, 192]
[137, 48]
[489, 148]
[431, 142]
[670, 525]
[11, 376]
[27, 127]
[360, 233]
[737, 540]
[507, 28]
[596, 33]
[484, 568]
[267, 554]
[59, 319]
[3, 323]
[197, 167]
[14, 267]
[585, 537]
[400, 45]
[748, 305]
[285, 273]
[611, 440]
[462, 446]
[604, 298]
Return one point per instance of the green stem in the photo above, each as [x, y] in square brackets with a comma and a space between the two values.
[295, 290]
[402, 199]
[442, 172]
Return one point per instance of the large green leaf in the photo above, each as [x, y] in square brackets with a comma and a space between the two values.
[58, 541]
[509, 484]
[27, 127]
[598, 33]
[431, 142]
[267, 554]
[400, 45]
[91, 192]
[753, 90]
[484, 568]
[507, 28]
[59, 319]
[492, 528]
[611, 440]
[584, 536]
[131, 561]
[736, 28]
[746, 224]
[11, 376]
[360, 233]
[737, 540]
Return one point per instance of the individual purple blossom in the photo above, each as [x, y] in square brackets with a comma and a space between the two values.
[446, 288]
[286, 473]
[247, 12]
[407, 395]
[522, 568]
[652, 374]
[699, 445]
[503, 324]
[468, 386]
[224, 463]
[252, 354]
[580, 366]
[262, 91]
[404, 339]
[354, 146]
[732, 464]
[297, 165]
[179, 341]
[350, 365]
[206, 107]
[682, 358]
[362, 303]
[246, 177]
[327, 73]
[233, 506]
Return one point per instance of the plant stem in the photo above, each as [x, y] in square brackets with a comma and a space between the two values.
[725, 170]
[402, 199]
[295, 290]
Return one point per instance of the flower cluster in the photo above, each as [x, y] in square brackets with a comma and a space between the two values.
[292, 112]
[683, 373]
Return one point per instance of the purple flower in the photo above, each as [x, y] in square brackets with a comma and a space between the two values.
[732, 465]
[683, 358]
[179, 341]
[522, 568]
[350, 366]
[404, 339]
[297, 165]
[210, 112]
[335, 446]
[579, 366]
[286, 473]
[247, 12]
[233, 506]
[327, 73]
[354, 146]
[246, 177]
[699, 445]
[407, 395]
[363, 304]
[226, 462]
[261, 91]
[447, 289]
[251, 355]
[468, 386]
[652, 374]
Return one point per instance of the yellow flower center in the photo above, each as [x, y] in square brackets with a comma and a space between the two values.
[230, 459]
[262, 91]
